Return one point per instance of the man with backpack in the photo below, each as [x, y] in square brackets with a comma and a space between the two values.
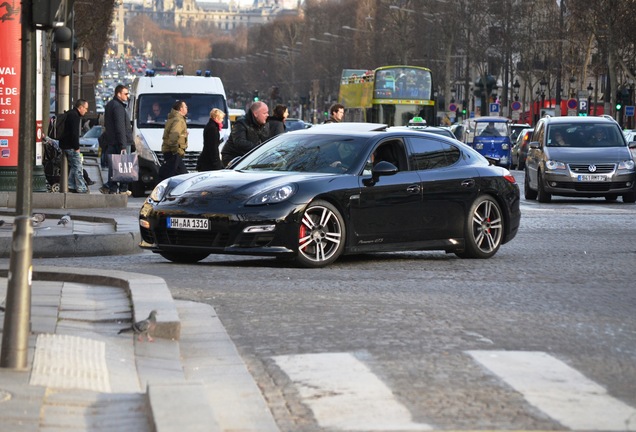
[69, 143]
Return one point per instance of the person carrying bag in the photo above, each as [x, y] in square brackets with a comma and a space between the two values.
[123, 167]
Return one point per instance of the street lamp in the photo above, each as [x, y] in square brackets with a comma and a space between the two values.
[516, 87]
[543, 85]
[572, 86]
[590, 90]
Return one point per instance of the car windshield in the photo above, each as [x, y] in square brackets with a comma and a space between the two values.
[585, 135]
[307, 153]
[491, 129]
[93, 132]
[153, 109]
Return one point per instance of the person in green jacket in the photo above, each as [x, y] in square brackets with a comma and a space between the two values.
[175, 142]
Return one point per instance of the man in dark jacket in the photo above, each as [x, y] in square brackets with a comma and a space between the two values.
[69, 143]
[117, 135]
[247, 132]
[336, 113]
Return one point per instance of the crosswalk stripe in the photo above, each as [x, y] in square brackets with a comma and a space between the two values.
[344, 394]
[558, 390]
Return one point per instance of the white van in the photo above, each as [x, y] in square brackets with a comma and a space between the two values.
[151, 93]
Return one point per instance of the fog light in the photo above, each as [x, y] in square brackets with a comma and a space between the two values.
[144, 223]
[259, 228]
[553, 184]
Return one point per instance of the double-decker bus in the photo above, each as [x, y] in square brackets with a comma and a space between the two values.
[390, 94]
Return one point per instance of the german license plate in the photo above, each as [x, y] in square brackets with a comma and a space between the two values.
[188, 223]
[592, 178]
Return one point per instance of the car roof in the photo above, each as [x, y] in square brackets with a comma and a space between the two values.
[349, 127]
[576, 119]
[370, 130]
[491, 119]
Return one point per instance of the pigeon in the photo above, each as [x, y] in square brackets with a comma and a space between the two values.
[144, 327]
[65, 220]
[38, 218]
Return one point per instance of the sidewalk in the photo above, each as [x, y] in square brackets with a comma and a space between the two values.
[83, 376]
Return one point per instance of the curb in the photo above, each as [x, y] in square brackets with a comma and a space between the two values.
[146, 293]
[61, 246]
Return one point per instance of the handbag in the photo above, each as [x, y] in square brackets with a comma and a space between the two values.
[124, 167]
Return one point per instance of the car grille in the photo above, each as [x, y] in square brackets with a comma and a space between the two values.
[190, 159]
[191, 238]
[592, 186]
[585, 168]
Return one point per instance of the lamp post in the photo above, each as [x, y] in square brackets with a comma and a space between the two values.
[590, 90]
[572, 86]
[516, 86]
[543, 85]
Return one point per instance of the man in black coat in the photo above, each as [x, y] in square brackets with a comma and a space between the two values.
[117, 135]
[69, 143]
[247, 132]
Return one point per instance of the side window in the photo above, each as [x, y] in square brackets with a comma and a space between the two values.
[538, 135]
[393, 152]
[430, 154]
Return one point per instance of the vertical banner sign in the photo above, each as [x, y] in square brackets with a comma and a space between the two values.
[10, 57]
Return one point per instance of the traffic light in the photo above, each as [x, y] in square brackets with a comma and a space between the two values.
[619, 100]
[255, 96]
[464, 111]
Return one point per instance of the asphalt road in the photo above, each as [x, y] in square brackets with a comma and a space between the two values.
[540, 337]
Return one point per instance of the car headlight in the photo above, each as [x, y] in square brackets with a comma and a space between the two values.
[626, 165]
[554, 165]
[159, 191]
[479, 146]
[504, 146]
[143, 149]
[273, 196]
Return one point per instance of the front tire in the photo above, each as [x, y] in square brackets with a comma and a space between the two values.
[321, 235]
[542, 195]
[184, 257]
[629, 198]
[484, 229]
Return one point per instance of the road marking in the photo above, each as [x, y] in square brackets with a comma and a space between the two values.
[559, 391]
[344, 394]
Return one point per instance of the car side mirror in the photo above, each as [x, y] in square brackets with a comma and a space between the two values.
[632, 145]
[533, 144]
[382, 168]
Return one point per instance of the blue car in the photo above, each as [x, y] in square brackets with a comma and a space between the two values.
[492, 139]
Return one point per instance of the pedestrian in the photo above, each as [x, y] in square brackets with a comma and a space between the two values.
[336, 113]
[175, 142]
[277, 120]
[69, 143]
[210, 158]
[247, 132]
[117, 136]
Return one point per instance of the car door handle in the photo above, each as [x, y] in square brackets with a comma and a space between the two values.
[468, 183]
[413, 189]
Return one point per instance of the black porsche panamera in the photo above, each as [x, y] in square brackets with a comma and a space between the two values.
[316, 194]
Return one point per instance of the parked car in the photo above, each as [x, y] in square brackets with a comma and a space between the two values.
[88, 141]
[520, 149]
[344, 188]
[579, 157]
[293, 124]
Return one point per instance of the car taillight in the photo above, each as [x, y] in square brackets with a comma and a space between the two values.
[510, 178]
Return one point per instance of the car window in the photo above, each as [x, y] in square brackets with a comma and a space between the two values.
[307, 153]
[430, 154]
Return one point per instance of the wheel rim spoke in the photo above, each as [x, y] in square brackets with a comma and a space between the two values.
[320, 234]
[487, 227]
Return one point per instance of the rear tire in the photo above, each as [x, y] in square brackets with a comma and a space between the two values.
[484, 229]
[530, 194]
[542, 195]
[184, 257]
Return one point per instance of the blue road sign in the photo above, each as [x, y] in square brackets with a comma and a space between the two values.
[494, 108]
[629, 111]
